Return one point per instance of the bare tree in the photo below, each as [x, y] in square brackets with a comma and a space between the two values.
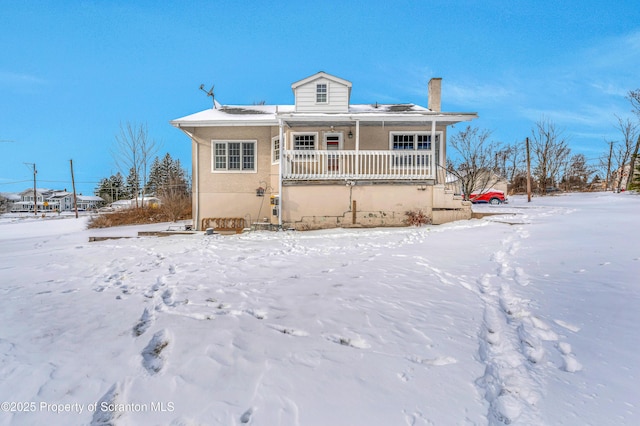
[134, 152]
[634, 98]
[624, 150]
[513, 161]
[550, 151]
[578, 173]
[475, 160]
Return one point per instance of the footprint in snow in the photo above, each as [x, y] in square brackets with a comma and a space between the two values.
[289, 331]
[571, 364]
[437, 362]
[154, 355]
[167, 297]
[113, 397]
[357, 343]
[257, 313]
[246, 416]
[144, 323]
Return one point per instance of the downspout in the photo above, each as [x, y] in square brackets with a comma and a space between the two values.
[196, 168]
[283, 147]
[196, 178]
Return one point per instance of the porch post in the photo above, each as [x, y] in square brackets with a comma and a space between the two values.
[196, 191]
[434, 162]
[357, 159]
[283, 148]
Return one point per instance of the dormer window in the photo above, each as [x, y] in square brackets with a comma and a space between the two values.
[321, 93]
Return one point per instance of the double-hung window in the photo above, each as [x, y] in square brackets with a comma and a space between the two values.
[416, 147]
[275, 150]
[321, 93]
[302, 144]
[234, 156]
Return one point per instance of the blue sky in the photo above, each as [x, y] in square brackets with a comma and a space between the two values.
[72, 71]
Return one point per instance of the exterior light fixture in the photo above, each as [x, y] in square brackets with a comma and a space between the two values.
[350, 134]
[260, 192]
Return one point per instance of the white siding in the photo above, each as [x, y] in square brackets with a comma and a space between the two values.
[337, 97]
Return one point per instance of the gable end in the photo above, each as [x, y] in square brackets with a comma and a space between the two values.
[322, 92]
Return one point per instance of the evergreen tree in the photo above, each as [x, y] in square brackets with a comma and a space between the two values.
[117, 187]
[111, 189]
[132, 185]
[155, 178]
[167, 178]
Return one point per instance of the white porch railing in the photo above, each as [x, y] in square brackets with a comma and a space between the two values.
[302, 164]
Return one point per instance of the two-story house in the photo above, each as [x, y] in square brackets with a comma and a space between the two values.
[322, 162]
[49, 200]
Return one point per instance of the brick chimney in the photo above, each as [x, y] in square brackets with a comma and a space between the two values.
[435, 88]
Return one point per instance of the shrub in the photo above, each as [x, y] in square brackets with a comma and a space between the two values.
[417, 218]
[138, 216]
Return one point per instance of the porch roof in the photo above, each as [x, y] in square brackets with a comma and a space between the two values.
[269, 115]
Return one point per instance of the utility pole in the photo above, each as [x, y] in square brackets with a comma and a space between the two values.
[73, 184]
[609, 166]
[528, 173]
[35, 196]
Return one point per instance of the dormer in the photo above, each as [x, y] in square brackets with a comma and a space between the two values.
[322, 92]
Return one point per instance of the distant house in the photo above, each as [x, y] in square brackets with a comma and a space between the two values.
[486, 181]
[89, 202]
[48, 200]
[149, 201]
[6, 201]
[322, 162]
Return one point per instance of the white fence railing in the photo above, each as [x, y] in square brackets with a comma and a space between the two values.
[303, 164]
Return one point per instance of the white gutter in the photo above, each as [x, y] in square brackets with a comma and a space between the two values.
[367, 117]
[223, 123]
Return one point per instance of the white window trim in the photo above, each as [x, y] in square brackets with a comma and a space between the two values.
[273, 141]
[213, 155]
[438, 135]
[293, 139]
[302, 156]
[431, 151]
[326, 84]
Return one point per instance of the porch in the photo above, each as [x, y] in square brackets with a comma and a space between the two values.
[361, 164]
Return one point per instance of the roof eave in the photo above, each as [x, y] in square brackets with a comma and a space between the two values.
[418, 116]
[223, 123]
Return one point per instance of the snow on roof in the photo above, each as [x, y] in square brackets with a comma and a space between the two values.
[268, 115]
[89, 198]
[10, 196]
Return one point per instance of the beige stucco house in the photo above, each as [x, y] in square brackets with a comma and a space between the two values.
[322, 162]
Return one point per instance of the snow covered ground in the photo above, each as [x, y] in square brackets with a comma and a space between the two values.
[528, 317]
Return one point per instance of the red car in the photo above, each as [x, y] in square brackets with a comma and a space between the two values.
[492, 197]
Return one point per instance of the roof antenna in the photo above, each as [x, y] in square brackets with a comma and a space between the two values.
[209, 93]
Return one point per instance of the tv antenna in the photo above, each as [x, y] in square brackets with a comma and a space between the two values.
[209, 93]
